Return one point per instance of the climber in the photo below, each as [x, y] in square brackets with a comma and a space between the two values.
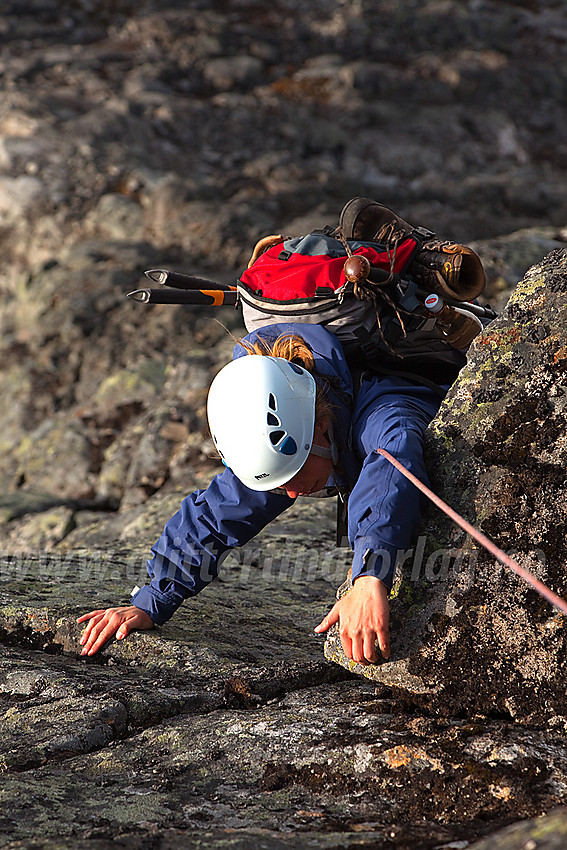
[286, 422]
[362, 364]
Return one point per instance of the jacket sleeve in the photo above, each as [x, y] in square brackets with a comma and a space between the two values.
[195, 541]
[384, 515]
[384, 508]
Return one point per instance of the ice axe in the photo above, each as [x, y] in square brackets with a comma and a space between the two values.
[185, 289]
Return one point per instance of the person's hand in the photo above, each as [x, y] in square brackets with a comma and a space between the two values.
[363, 615]
[109, 621]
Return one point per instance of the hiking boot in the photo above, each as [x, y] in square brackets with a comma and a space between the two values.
[448, 269]
[369, 221]
[443, 267]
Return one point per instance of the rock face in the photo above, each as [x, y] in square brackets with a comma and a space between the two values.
[226, 728]
[167, 134]
[470, 635]
[545, 833]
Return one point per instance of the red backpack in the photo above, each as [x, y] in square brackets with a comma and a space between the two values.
[376, 308]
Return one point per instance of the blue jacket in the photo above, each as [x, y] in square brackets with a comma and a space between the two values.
[383, 508]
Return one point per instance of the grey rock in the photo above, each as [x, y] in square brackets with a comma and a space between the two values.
[72, 725]
[61, 445]
[544, 833]
[116, 217]
[233, 71]
[507, 258]
[40, 525]
[189, 735]
[17, 195]
[168, 135]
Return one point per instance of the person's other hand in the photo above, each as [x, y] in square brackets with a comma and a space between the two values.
[363, 615]
[106, 622]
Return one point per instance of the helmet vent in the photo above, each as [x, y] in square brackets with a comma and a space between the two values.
[273, 420]
[289, 446]
[272, 401]
[276, 436]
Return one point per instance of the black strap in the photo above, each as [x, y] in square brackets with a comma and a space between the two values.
[372, 360]
[410, 376]
[342, 520]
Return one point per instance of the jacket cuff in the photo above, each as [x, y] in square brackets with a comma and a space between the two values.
[158, 606]
[377, 562]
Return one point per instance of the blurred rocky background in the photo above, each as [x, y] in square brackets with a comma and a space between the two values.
[174, 134]
[156, 134]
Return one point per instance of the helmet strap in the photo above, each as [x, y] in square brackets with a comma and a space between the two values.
[332, 453]
[320, 451]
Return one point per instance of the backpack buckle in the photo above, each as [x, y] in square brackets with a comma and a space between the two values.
[422, 234]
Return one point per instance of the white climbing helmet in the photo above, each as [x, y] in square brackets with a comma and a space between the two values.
[262, 417]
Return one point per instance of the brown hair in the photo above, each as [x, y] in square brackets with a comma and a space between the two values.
[294, 348]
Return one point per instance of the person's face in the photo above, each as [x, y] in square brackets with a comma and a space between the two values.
[314, 473]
